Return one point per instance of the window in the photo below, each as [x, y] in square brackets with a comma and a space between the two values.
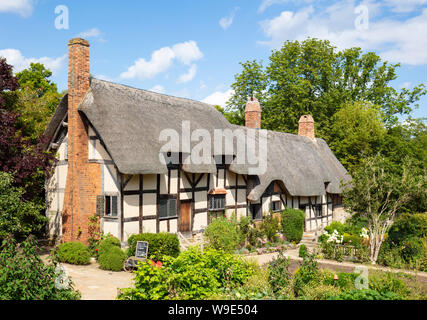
[318, 210]
[167, 208]
[337, 199]
[256, 211]
[110, 206]
[276, 206]
[217, 202]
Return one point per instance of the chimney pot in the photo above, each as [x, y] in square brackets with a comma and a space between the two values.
[306, 126]
[253, 113]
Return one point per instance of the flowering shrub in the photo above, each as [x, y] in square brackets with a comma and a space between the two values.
[192, 275]
[334, 237]
[364, 233]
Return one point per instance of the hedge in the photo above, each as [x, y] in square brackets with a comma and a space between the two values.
[73, 252]
[293, 224]
[159, 244]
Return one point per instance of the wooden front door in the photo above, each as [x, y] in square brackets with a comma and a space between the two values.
[185, 216]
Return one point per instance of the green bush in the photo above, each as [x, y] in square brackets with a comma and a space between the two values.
[365, 294]
[24, 275]
[306, 274]
[107, 242]
[336, 225]
[302, 251]
[256, 287]
[192, 275]
[412, 249]
[279, 276]
[112, 259]
[73, 252]
[269, 227]
[223, 234]
[293, 224]
[18, 217]
[319, 292]
[351, 239]
[159, 245]
[408, 226]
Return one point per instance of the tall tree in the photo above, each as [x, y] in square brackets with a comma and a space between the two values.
[35, 101]
[27, 161]
[357, 130]
[313, 77]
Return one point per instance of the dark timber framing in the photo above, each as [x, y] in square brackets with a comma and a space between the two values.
[194, 180]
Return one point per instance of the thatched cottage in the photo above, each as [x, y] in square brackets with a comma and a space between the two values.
[109, 150]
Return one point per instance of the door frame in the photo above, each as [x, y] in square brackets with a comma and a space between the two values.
[189, 203]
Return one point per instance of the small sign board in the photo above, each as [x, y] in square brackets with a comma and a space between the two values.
[141, 249]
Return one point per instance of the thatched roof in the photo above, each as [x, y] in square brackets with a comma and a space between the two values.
[130, 121]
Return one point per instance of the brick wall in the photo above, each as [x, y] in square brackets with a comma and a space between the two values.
[83, 178]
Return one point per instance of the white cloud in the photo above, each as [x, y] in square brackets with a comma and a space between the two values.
[22, 7]
[268, 3]
[158, 88]
[92, 33]
[226, 22]
[405, 6]
[104, 77]
[187, 52]
[15, 58]
[219, 98]
[162, 59]
[189, 75]
[395, 40]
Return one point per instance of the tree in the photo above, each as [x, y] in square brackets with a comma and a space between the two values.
[35, 101]
[379, 194]
[18, 217]
[251, 82]
[7, 80]
[311, 77]
[18, 155]
[357, 130]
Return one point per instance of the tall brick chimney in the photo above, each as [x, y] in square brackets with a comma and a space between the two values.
[253, 114]
[306, 126]
[83, 178]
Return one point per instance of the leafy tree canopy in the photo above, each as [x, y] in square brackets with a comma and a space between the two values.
[312, 77]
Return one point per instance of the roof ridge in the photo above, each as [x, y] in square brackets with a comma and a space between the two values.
[153, 92]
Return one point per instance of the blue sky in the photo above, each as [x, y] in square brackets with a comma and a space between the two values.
[193, 48]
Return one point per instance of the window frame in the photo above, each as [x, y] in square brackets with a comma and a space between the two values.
[168, 207]
[318, 213]
[109, 197]
[213, 196]
[272, 206]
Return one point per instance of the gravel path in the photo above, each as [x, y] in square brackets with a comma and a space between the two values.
[97, 284]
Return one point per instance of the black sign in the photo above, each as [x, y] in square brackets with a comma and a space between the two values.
[141, 249]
